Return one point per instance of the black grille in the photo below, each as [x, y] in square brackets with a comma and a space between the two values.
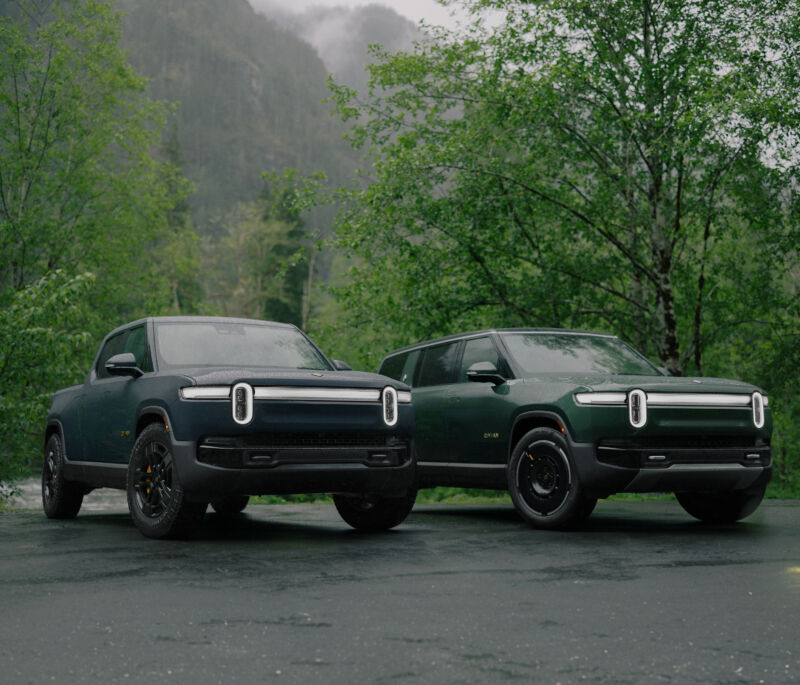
[267, 450]
[306, 439]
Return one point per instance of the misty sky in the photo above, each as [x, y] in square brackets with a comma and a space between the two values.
[429, 10]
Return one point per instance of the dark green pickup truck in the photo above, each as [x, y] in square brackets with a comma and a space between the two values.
[186, 411]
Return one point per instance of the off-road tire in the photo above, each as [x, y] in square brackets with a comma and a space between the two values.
[61, 498]
[230, 506]
[543, 481]
[721, 507]
[156, 500]
[371, 513]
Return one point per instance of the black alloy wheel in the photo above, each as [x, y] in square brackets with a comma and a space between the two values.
[156, 501]
[543, 481]
[153, 480]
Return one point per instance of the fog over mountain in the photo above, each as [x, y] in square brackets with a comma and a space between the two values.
[341, 35]
[250, 87]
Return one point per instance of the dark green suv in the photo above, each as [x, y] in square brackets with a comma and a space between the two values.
[562, 418]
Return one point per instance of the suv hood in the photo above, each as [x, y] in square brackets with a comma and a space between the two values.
[648, 384]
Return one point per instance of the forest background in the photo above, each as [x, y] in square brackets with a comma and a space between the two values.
[625, 165]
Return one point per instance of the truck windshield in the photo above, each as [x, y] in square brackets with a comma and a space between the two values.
[211, 344]
[575, 353]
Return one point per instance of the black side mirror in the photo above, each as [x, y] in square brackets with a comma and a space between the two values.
[339, 365]
[485, 372]
[123, 364]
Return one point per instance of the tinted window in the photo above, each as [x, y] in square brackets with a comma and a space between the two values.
[438, 365]
[113, 346]
[478, 350]
[538, 353]
[200, 343]
[393, 366]
[136, 343]
[401, 367]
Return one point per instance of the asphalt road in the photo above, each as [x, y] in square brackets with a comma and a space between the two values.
[457, 594]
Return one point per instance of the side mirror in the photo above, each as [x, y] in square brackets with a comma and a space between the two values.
[339, 365]
[485, 372]
[123, 364]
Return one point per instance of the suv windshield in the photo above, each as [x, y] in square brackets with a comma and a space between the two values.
[538, 353]
[200, 343]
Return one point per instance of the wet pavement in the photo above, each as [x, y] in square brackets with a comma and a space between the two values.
[457, 594]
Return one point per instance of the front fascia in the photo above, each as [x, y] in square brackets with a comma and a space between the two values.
[199, 418]
[680, 447]
[674, 407]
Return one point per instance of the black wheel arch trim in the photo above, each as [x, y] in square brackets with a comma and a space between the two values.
[153, 410]
[550, 419]
[55, 426]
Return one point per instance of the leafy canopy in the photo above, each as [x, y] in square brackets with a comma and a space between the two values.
[83, 203]
[624, 165]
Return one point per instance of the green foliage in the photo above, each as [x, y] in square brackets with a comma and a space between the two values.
[39, 351]
[599, 165]
[462, 496]
[625, 166]
[87, 214]
[265, 262]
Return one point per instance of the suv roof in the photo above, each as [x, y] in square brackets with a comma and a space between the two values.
[497, 331]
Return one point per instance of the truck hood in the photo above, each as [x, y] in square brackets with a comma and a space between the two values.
[290, 377]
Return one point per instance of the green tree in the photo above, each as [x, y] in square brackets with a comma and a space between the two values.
[81, 201]
[623, 164]
[264, 261]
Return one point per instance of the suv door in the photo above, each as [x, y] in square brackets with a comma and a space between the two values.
[433, 388]
[479, 418]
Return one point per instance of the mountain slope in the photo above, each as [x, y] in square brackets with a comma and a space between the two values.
[249, 92]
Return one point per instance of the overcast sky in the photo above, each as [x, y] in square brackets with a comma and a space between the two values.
[429, 10]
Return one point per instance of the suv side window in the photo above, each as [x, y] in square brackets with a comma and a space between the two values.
[439, 365]
[137, 344]
[113, 346]
[478, 350]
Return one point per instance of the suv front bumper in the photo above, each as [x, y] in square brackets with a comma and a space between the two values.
[604, 470]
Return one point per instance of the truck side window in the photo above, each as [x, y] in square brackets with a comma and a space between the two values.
[137, 344]
[113, 346]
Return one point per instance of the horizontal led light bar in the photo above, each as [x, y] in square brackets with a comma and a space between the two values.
[676, 399]
[223, 392]
[206, 392]
[670, 399]
[601, 397]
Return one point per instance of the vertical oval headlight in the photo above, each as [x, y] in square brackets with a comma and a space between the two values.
[242, 403]
[637, 408]
[758, 409]
[389, 405]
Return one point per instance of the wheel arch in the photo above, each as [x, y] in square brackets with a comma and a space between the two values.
[152, 414]
[53, 427]
[528, 421]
